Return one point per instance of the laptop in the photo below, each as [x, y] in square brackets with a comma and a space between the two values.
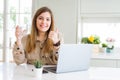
[72, 57]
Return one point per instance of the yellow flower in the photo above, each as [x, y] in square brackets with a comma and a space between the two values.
[91, 39]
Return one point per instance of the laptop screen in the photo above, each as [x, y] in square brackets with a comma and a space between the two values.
[73, 57]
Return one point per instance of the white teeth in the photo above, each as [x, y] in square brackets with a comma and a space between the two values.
[42, 26]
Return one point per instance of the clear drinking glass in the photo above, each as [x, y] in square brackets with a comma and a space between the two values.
[24, 29]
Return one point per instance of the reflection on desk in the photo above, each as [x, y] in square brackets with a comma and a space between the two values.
[10, 71]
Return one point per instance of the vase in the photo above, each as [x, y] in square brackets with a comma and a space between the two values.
[37, 72]
[108, 50]
[96, 48]
[103, 50]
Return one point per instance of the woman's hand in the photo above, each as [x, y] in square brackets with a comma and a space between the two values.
[19, 33]
[54, 36]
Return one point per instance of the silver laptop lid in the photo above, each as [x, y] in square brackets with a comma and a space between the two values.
[74, 57]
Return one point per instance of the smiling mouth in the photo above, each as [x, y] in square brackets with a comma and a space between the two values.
[42, 26]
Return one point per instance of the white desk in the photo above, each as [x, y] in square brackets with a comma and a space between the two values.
[13, 72]
[106, 60]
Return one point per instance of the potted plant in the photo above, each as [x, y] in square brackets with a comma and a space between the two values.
[104, 46]
[38, 68]
[110, 47]
[38, 64]
[93, 39]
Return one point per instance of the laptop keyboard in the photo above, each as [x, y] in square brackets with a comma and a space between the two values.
[53, 69]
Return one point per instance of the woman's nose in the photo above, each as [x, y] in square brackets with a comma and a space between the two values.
[44, 21]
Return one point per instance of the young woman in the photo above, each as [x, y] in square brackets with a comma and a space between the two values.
[41, 44]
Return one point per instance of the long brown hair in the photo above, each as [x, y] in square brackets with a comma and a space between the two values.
[31, 40]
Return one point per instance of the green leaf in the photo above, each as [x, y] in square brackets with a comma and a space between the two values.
[104, 45]
[38, 64]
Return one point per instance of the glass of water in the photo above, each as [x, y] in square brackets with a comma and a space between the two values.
[24, 29]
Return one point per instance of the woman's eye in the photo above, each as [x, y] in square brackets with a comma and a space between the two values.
[40, 18]
[48, 19]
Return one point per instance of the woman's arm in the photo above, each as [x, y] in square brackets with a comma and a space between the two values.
[18, 50]
[19, 54]
[57, 45]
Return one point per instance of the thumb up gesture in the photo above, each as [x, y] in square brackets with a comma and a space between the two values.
[54, 36]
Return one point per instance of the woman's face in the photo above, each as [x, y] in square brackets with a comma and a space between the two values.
[43, 22]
